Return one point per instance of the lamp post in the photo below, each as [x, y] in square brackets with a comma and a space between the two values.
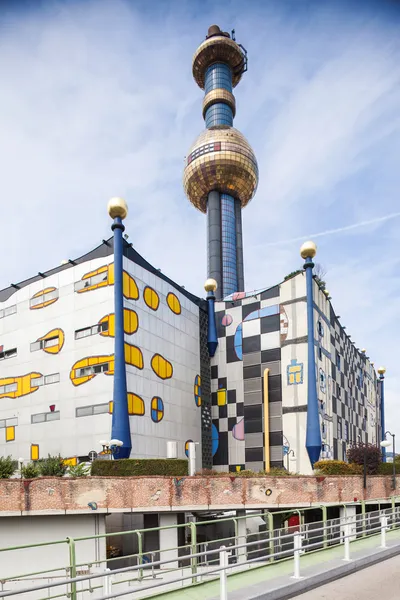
[313, 430]
[382, 372]
[112, 448]
[385, 443]
[21, 464]
[120, 428]
[212, 338]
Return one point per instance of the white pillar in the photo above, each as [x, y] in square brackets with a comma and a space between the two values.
[242, 537]
[348, 523]
[169, 540]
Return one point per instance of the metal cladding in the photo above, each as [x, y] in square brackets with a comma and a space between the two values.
[221, 171]
[222, 160]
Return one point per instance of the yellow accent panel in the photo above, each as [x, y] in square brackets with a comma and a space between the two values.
[89, 361]
[266, 421]
[24, 385]
[221, 397]
[34, 451]
[174, 304]
[131, 323]
[61, 339]
[133, 356]
[130, 289]
[70, 462]
[42, 293]
[135, 405]
[10, 433]
[151, 298]
[111, 407]
[161, 367]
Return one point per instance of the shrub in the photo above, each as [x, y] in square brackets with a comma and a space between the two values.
[79, 470]
[337, 467]
[52, 466]
[245, 473]
[356, 454]
[276, 472]
[386, 468]
[126, 467]
[30, 471]
[8, 466]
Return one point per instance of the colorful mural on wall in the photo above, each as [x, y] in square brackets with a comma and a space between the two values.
[104, 276]
[22, 385]
[43, 298]
[174, 304]
[294, 372]
[161, 367]
[151, 298]
[197, 390]
[131, 323]
[238, 430]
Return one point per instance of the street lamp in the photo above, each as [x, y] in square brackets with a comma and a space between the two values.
[112, 447]
[21, 464]
[385, 443]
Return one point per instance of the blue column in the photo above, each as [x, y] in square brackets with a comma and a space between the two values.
[383, 428]
[120, 418]
[212, 338]
[313, 434]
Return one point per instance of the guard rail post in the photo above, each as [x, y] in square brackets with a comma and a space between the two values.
[223, 579]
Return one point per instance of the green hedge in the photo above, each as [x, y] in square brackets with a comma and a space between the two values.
[337, 467]
[387, 468]
[127, 467]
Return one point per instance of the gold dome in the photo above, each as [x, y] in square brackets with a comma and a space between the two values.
[308, 250]
[117, 207]
[381, 370]
[218, 48]
[221, 159]
[210, 285]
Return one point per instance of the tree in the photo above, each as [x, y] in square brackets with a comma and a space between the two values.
[319, 275]
[359, 452]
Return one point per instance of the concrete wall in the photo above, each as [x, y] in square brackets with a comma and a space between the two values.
[38, 529]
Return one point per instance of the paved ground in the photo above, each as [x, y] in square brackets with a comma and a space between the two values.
[380, 581]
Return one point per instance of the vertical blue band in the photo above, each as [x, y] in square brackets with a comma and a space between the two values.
[212, 337]
[219, 114]
[229, 258]
[313, 432]
[218, 75]
[120, 429]
[383, 428]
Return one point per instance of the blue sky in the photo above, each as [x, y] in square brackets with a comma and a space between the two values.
[98, 100]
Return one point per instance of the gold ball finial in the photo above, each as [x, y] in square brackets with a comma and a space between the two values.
[117, 207]
[210, 285]
[308, 250]
[363, 350]
[381, 370]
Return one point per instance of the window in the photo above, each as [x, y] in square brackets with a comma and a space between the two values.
[34, 452]
[338, 391]
[7, 353]
[82, 333]
[337, 360]
[346, 431]
[320, 328]
[45, 417]
[45, 380]
[10, 310]
[11, 387]
[322, 381]
[90, 281]
[93, 370]
[319, 352]
[10, 433]
[13, 422]
[40, 344]
[95, 409]
[339, 429]
[53, 294]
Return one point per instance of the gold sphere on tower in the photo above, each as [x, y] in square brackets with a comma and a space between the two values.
[210, 285]
[308, 250]
[381, 370]
[222, 160]
[117, 207]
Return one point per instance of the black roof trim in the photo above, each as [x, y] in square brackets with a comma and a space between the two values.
[105, 249]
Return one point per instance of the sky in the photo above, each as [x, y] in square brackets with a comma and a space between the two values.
[98, 100]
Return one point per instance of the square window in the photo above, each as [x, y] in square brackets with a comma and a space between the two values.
[53, 416]
[39, 418]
